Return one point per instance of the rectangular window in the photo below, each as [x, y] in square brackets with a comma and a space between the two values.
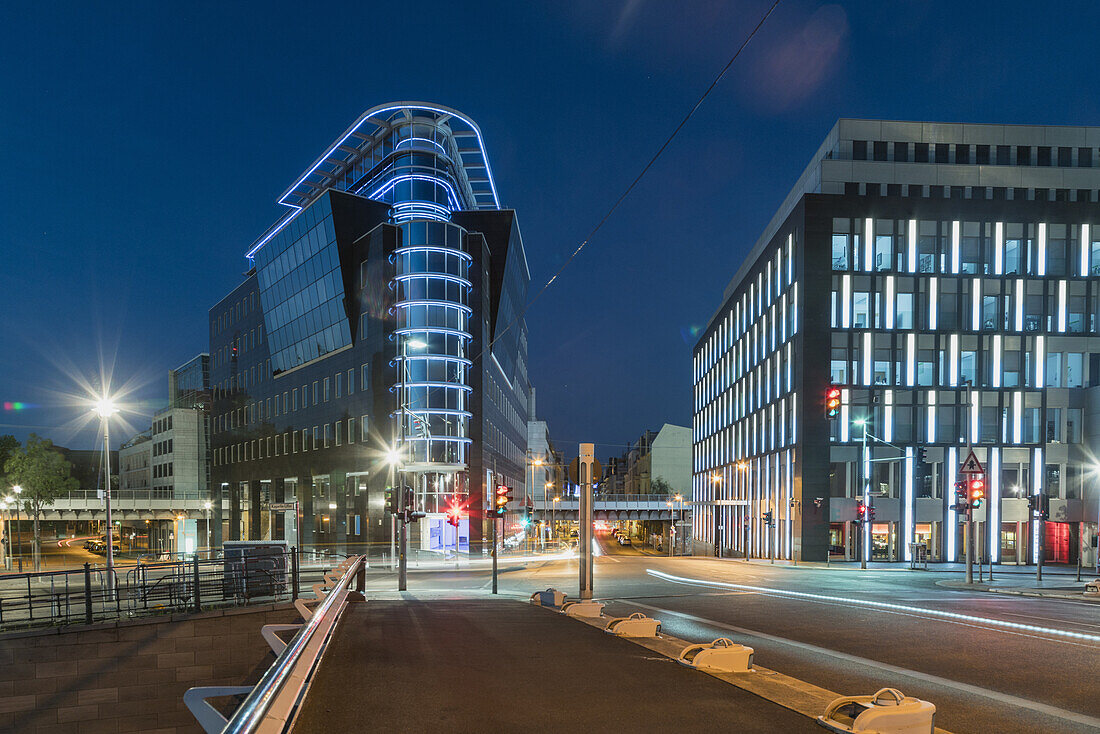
[326, 389]
[339, 383]
[328, 433]
[351, 382]
[351, 430]
[339, 433]
[316, 437]
[363, 381]
[363, 424]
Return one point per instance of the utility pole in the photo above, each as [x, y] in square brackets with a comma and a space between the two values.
[585, 464]
[969, 508]
[493, 553]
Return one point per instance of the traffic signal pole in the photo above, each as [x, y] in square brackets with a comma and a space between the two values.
[494, 554]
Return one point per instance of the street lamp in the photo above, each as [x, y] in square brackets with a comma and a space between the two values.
[5, 504]
[679, 498]
[554, 519]
[207, 506]
[105, 408]
[18, 491]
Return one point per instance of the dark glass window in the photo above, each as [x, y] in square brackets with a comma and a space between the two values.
[920, 152]
[1023, 155]
[893, 189]
[851, 188]
[942, 151]
[859, 150]
[1084, 157]
[1044, 155]
[1065, 157]
[962, 153]
[901, 152]
[981, 153]
[1004, 155]
[880, 150]
[958, 192]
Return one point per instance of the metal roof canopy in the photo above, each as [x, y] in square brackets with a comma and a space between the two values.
[364, 134]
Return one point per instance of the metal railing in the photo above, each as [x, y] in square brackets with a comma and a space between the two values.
[88, 595]
[275, 699]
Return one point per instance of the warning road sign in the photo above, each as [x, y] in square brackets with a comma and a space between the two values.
[971, 465]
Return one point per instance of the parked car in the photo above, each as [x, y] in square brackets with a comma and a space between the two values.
[624, 540]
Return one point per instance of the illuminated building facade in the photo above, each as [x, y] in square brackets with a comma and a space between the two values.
[943, 277]
[379, 313]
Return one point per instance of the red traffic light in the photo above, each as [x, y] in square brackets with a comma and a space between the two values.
[832, 402]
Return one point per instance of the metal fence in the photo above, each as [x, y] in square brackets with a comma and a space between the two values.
[89, 595]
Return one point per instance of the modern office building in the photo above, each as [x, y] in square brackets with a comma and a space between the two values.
[375, 340]
[943, 277]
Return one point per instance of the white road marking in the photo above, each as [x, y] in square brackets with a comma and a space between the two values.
[1006, 698]
[887, 606]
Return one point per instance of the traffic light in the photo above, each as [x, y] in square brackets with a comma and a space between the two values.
[527, 519]
[976, 493]
[960, 496]
[861, 512]
[1040, 505]
[453, 515]
[832, 402]
[871, 513]
[501, 500]
[768, 518]
[391, 501]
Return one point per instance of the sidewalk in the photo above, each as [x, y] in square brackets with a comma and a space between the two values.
[903, 566]
[1060, 588]
[474, 665]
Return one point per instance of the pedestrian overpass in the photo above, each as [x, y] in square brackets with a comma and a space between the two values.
[613, 507]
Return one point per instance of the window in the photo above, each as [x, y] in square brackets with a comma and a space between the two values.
[920, 152]
[339, 383]
[316, 437]
[904, 317]
[363, 381]
[351, 382]
[363, 423]
[1075, 369]
[339, 433]
[351, 430]
[859, 150]
[326, 389]
[294, 399]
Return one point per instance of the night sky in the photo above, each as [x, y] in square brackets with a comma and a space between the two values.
[142, 147]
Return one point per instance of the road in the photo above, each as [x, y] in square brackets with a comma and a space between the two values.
[1001, 664]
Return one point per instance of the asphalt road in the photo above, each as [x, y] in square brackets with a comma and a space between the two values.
[1000, 667]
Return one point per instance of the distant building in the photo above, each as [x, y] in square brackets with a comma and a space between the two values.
[665, 455]
[135, 465]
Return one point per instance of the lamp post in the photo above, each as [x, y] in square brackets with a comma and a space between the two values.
[865, 527]
[105, 408]
[402, 528]
[679, 498]
[19, 548]
[5, 504]
[207, 506]
[672, 527]
[717, 481]
[554, 519]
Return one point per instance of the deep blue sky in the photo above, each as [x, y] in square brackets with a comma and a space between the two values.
[142, 147]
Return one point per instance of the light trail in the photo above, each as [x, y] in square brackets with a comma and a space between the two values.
[887, 606]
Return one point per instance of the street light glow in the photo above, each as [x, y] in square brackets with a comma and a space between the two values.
[17, 489]
[415, 343]
[105, 408]
[393, 457]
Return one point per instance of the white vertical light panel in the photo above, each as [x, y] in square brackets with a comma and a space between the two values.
[911, 360]
[1061, 306]
[993, 486]
[910, 506]
[789, 367]
[1042, 270]
[1085, 247]
[930, 427]
[996, 360]
[912, 245]
[1036, 489]
[975, 410]
[1019, 304]
[955, 247]
[794, 417]
[976, 304]
[933, 299]
[844, 423]
[888, 428]
[949, 474]
[890, 302]
[868, 245]
[867, 361]
[846, 301]
[953, 361]
[1017, 415]
[999, 248]
[1040, 361]
[790, 258]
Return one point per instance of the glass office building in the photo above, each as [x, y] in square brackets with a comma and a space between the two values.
[943, 278]
[378, 315]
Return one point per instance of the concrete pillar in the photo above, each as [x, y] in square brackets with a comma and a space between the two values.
[305, 500]
[234, 511]
[254, 510]
[278, 519]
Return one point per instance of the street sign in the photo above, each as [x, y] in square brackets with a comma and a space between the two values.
[282, 506]
[971, 465]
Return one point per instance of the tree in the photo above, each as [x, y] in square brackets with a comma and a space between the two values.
[8, 443]
[44, 475]
[660, 486]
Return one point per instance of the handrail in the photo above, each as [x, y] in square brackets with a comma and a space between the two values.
[254, 710]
